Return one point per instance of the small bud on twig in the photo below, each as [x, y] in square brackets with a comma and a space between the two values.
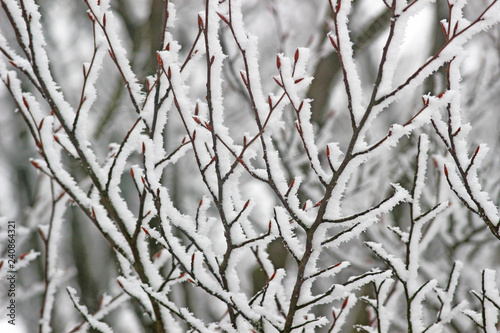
[344, 304]
[223, 18]
[277, 82]
[443, 27]
[298, 128]
[290, 187]
[334, 44]
[159, 59]
[243, 78]
[21, 257]
[300, 106]
[25, 102]
[200, 22]
[455, 29]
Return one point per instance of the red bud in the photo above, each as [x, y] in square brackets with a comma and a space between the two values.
[243, 78]
[21, 257]
[158, 58]
[26, 103]
[278, 62]
[35, 164]
[223, 18]
[200, 23]
[298, 128]
[296, 57]
[345, 303]
[277, 82]
[444, 29]
[147, 232]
